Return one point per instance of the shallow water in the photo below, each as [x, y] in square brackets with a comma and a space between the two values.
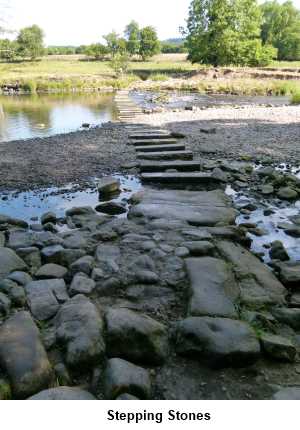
[178, 100]
[30, 116]
[30, 205]
[268, 223]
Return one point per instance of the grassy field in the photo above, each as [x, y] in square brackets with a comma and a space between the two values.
[66, 73]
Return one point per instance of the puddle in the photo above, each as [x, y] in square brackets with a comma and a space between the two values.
[31, 204]
[267, 223]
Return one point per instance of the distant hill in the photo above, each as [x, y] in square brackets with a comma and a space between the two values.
[174, 41]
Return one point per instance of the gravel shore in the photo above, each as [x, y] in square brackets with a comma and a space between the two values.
[62, 159]
[253, 131]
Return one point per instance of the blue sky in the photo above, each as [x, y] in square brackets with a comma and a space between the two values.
[81, 22]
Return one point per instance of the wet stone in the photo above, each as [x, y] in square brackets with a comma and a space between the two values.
[278, 251]
[21, 278]
[199, 248]
[108, 185]
[288, 316]
[122, 377]
[84, 265]
[48, 217]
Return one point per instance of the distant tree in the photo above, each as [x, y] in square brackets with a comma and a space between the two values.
[97, 51]
[8, 50]
[222, 32]
[281, 28]
[120, 63]
[149, 43]
[173, 47]
[132, 36]
[115, 43]
[30, 41]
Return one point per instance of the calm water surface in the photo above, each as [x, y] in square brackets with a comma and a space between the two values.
[29, 116]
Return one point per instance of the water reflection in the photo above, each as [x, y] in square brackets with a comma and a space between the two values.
[28, 116]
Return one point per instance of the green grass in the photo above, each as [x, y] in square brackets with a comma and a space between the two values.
[286, 64]
[295, 100]
[75, 73]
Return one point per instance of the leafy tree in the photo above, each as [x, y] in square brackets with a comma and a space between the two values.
[281, 28]
[222, 32]
[115, 43]
[149, 43]
[30, 41]
[97, 51]
[132, 36]
[8, 50]
[120, 63]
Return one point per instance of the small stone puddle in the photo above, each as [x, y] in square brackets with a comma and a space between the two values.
[30, 205]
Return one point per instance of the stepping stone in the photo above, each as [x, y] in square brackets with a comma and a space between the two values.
[165, 155]
[162, 148]
[151, 135]
[181, 179]
[220, 342]
[183, 166]
[198, 208]
[153, 142]
[212, 287]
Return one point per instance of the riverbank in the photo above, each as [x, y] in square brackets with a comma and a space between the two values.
[62, 159]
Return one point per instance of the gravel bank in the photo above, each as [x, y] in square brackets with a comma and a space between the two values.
[254, 131]
[61, 159]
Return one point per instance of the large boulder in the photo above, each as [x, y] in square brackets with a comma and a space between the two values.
[63, 393]
[287, 393]
[10, 262]
[122, 377]
[44, 297]
[51, 271]
[220, 342]
[79, 330]
[136, 337]
[212, 288]
[23, 357]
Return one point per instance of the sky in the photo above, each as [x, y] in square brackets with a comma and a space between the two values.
[73, 22]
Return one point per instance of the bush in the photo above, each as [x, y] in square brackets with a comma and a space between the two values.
[30, 86]
[295, 100]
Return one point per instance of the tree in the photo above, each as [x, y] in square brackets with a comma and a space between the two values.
[222, 32]
[281, 28]
[120, 63]
[30, 41]
[132, 36]
[115, 43]
[8, 50]
[149, 44]
[97, 51]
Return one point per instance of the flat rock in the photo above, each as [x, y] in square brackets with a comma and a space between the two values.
[258, 285]
[10, 262]
[220, 342]
[51, 271]
[161, 148]
[180, 166]
[278, 347]
[287, 393]
[111, 208]
[136, 337]
[79, 329]
[63, 393]
[84, 265]
[288, 316]
[44, 297]
[166, 155]
[122, 377]
[81, 284]
[195, 208]
[199, 248]
[290, 274]
[23, 356]
[212, 288]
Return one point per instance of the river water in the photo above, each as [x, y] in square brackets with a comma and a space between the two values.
[30, 116]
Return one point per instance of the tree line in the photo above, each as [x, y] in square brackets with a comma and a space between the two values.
[136, 42]
[242, 32]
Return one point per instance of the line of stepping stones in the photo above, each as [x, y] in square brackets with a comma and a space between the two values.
[163, 156]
